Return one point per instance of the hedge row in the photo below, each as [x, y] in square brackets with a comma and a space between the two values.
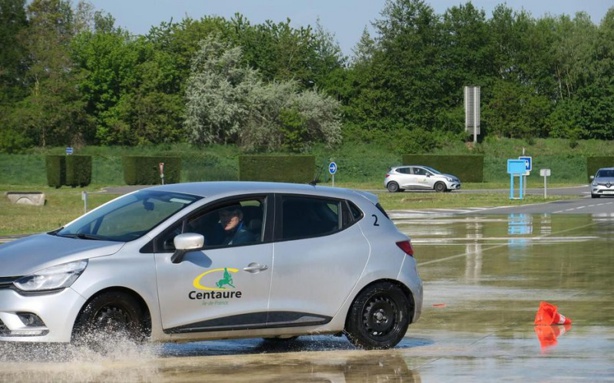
[68, 170]
[76, 170]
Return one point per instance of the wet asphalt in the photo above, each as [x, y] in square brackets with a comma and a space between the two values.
[484, 275]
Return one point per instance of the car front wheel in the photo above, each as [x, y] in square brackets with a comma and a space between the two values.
[113, 315]
[392, 187]
[378, 317]
[440, 187]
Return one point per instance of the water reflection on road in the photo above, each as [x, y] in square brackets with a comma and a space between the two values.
[484, 278]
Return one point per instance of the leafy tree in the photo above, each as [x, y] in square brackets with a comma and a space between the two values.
[515, 111]
[227, 102]
[403, 90]
[13, 60]
[12, 55]
[466, 51]
[572, 54]
[217, 93]
[53, 113]
[597, 94]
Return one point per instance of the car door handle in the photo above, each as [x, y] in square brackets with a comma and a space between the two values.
[255, 268]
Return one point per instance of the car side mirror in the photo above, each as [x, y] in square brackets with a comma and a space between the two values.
[592, 177]
[185, 243]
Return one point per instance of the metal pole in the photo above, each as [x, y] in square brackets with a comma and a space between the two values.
[84, 198]
[475, 115]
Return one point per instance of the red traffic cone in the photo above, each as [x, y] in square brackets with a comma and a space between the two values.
[547, 315]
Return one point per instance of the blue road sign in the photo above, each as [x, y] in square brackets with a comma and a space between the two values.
[332, 168]
[528, 162]
[69, 150]
[516, 167]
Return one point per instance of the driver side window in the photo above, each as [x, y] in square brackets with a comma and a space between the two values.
[233, 223]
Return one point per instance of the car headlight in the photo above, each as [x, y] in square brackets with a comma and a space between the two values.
[595, 184]
[52, 278]
[450, 179]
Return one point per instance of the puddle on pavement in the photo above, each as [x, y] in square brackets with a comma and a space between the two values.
[484, 277]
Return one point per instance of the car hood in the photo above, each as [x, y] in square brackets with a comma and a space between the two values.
[605, 180]
[30, 254]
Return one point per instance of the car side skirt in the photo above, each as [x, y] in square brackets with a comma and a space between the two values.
[253, 321]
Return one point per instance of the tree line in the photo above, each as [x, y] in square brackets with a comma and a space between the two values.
[69, 76]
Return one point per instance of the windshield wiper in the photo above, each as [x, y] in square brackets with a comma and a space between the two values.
[82, 236]
[56, 231]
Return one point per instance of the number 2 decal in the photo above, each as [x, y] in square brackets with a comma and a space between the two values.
[374, 220]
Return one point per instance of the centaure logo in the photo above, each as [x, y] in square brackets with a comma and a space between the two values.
[221, 278]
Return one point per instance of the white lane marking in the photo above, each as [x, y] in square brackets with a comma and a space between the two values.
[582, 207]
[484, 251]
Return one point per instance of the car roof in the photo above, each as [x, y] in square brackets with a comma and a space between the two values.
[229, 188]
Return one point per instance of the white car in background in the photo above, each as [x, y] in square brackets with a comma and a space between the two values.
[417, 177]
[602, 183]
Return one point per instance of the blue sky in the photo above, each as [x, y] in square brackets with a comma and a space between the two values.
[345, 19]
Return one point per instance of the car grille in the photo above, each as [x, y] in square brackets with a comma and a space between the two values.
[7, 281]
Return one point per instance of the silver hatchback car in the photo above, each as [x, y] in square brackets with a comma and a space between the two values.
[418, 177]
[215, 260]
[602, 183]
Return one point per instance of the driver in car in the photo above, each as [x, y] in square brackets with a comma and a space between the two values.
[235, 232]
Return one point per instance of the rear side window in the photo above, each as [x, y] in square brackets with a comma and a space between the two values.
[381, 208]
[305, 217]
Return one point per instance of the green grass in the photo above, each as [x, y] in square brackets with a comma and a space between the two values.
[431, 200]
[65, 204]
[62, 206]
[361, 166]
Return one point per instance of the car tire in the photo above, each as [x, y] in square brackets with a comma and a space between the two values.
[110, 316]
[378, 317]
[393, 187]
[440, 187]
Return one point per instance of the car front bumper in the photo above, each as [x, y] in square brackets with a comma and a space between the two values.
[602, 190]
[53, 314]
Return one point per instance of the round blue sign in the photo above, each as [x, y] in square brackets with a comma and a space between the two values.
[332, 168]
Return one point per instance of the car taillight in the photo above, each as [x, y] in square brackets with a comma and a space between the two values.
[406, 247]
[387, 175]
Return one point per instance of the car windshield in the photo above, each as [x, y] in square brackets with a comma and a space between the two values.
[606, 173]
[127, 218]
[432, 170]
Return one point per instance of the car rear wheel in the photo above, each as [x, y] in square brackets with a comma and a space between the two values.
[110, 316]
[378, 317]
[440, 187]
[392, 187]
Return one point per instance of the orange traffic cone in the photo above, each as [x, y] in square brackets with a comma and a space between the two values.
[547, 315]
